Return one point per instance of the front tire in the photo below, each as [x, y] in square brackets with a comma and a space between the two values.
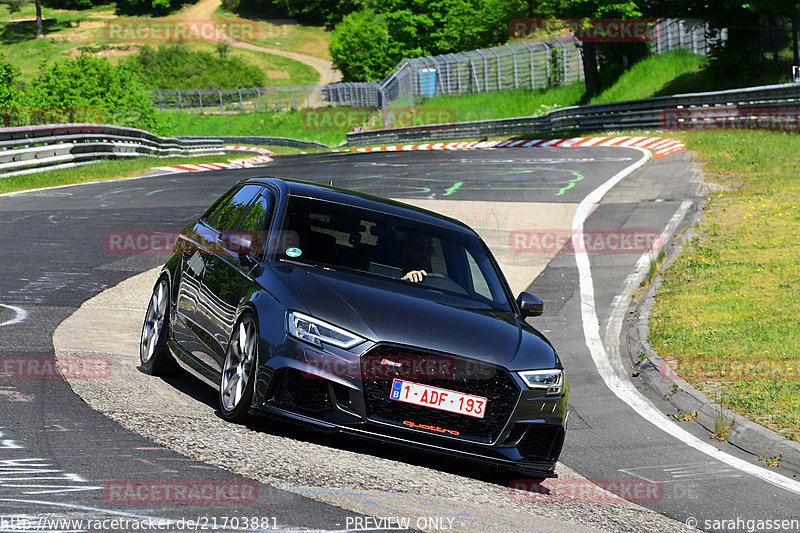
[237, 381]
[153, 351]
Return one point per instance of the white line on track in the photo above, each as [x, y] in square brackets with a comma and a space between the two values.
[611, 369]
[19, 315]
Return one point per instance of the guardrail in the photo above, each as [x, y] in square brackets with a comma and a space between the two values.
[686, 111]
[262, 140]
[29, 149]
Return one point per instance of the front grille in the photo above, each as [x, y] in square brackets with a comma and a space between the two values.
[446, 372]
[541, 443]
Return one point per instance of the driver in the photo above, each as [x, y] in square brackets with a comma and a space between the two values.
[416, 255]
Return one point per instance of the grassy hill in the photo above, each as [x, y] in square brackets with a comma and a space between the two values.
[69, 33]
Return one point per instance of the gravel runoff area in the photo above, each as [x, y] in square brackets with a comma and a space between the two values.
[180, 414]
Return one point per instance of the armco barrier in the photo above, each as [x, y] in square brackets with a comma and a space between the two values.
[29, 149]
[256, 139]
[648, 113]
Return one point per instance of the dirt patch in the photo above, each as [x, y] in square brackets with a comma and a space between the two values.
[114, 53]
[276, 74]
[87, 24]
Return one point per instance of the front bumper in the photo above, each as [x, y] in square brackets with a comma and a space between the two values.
[526, 433]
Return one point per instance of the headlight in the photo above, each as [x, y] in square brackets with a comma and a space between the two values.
[316, 332]
[552, 381]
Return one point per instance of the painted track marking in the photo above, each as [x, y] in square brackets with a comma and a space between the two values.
[19, 315]
[611, 369]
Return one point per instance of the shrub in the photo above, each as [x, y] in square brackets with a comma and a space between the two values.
[173, 66]
[88, 86]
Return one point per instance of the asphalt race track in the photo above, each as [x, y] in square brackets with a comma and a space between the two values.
[58, 457]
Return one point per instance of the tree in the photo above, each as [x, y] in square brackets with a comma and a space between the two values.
[360, 47]
[88, 85]
[394, 29]
[10, 95]
[741, 55]
[15, 5]
[591, 9]
[147, 7]
[329, 12]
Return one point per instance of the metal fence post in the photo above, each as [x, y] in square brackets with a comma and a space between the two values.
[516, 73]
[258, 95]
[547, 52]
[474, 84]
[499, 69]
[160, 101]
[180, 104]
[200, 95]
[532, 65]
[458, 73]
[485, 69]
[221, 107]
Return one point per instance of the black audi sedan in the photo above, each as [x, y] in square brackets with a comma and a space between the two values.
[347, 312]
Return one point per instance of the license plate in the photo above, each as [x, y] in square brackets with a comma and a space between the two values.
[444, 399]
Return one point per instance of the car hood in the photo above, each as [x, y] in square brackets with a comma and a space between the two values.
[388, 311]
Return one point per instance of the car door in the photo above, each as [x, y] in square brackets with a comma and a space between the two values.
[198, 258]
[194, 251]
[226, 275]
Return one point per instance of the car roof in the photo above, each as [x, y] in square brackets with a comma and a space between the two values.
[363, 200]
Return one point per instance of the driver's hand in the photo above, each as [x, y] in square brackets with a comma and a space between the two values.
[415, 275]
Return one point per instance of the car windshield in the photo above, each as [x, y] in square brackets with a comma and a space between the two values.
[343, 237]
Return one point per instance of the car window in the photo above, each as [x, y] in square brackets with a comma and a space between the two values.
[229, 215]
[257, 219]
[215, 208]
[478, 280]
[380, 244]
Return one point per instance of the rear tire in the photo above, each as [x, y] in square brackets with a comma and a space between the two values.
[153, 351]
[238, 372]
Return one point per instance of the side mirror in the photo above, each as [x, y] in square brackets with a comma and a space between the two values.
[530, 305]
[239, 242]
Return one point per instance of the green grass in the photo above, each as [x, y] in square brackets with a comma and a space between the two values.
[271, 123]
[280, 71]
[65, 31]
[109, 170]
[727, 311]
[654, 76]
[503, 104]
